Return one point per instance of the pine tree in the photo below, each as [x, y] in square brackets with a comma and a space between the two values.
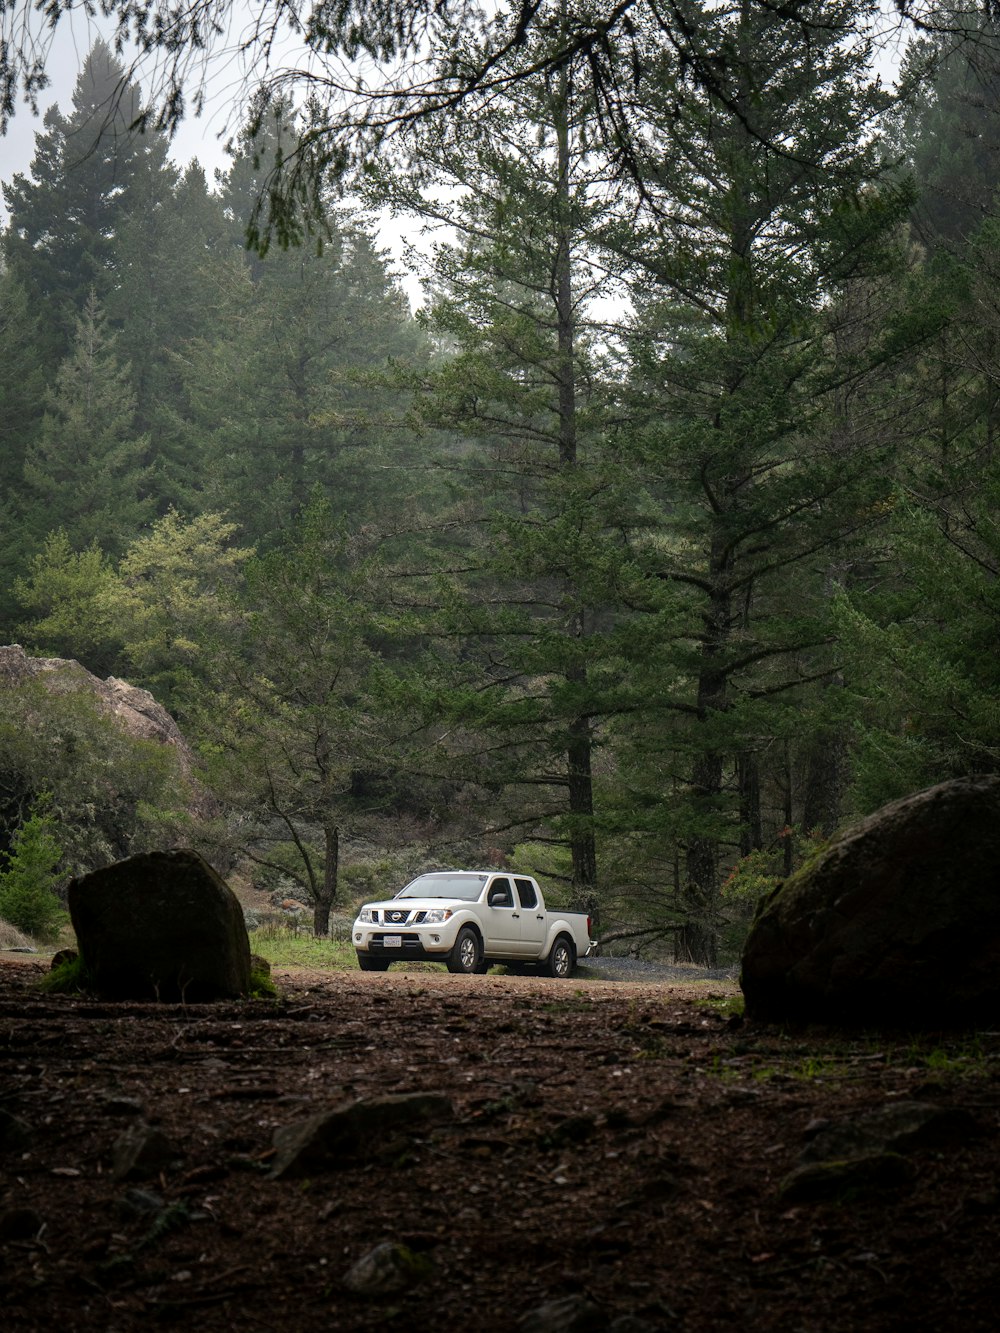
[948, 126]
[538, 498]
[168, 254]
[762, 206]
[90, 174]
[21, 392]
[277, 392]
[291, 716]
[28, 882]
[88, 471]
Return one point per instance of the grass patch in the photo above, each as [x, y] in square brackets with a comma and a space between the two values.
[12, 938]
[261, 985]
[283, 947]
[729, 1006]
[68, 978]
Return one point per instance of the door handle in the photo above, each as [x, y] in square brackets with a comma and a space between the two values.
[515, 916]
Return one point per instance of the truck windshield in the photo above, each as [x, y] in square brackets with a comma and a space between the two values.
[466, 887]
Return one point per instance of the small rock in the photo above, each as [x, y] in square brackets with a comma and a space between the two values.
[15, 1133]
[829, 1180]
[20, 1224]
[119, 1104]
[354, 1132]
[569, 1314]
[897, 1127]
[389, 1269]
[574, 1129]
[137, 1203]
[141, 1151]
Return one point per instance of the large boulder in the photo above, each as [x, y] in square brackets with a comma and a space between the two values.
[897, 923]
[162, 925]
[133, 710]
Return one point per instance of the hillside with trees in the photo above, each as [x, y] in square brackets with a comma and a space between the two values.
[658, 544]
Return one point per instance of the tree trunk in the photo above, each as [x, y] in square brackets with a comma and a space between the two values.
[581, 808]
[824, 783]
[583, 850]
[327, 897]
[751, 824]
[696, 940]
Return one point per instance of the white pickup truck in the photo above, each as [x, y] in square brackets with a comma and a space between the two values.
[470, 919]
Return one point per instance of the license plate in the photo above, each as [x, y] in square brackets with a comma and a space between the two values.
[392, 941]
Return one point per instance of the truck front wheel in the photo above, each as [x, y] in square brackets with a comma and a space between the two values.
[561, 960]
[464, 957]
[369, 963]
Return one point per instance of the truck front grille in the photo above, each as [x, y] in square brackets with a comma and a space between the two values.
[409, 944]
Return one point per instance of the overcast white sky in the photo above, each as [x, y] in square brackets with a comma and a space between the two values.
[73, 39]
[203, 138]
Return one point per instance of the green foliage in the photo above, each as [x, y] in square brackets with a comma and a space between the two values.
[70, 596]
[925, 673]
[286, 948]
[111, 795]
[151, 615]
[295, 718]
[761, 870]
[70, 977]
[29, 880]
[261, 985]
[88, 470]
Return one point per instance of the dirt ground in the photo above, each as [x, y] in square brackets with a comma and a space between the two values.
[626, 1143]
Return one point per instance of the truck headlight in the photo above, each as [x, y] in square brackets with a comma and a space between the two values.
[367, 916]
[436, 915]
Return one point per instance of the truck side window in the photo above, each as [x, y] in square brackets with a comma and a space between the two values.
[526, 893]
[500, 894]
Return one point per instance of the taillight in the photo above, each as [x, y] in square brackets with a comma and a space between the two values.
[589, 920]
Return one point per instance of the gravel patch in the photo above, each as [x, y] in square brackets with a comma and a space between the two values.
[643, 970]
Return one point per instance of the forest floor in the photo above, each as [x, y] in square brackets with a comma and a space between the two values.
[625, 1144]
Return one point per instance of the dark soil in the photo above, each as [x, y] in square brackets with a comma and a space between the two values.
[622, 1142]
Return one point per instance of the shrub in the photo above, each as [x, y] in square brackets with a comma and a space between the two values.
[27, 885]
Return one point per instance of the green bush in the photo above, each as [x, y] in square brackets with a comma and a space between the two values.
[27, 884]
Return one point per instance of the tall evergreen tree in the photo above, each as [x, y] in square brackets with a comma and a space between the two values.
[21, 391]
[761, 204]
[88, 472]
[292, 718]
[91, 173]
[278, 397]
[541, 496]
[169, 253]
[948, 124]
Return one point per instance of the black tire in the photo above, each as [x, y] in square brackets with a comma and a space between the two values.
[561, 962]
[466, 954]
[371, 963]
[484, 967]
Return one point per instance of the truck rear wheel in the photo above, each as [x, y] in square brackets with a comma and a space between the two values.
[464, 957]
[562, 958]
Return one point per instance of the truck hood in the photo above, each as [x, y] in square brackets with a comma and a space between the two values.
[415, 904]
